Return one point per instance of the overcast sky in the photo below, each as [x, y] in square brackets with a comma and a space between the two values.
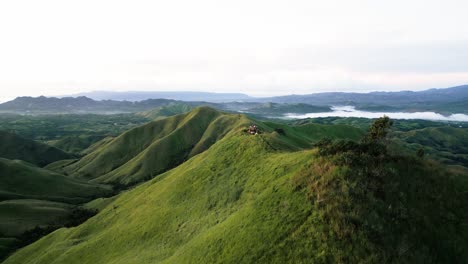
[255, 47]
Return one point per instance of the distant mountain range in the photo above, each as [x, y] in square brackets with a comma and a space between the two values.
[444, 101]
[182, 96]
[443, 95]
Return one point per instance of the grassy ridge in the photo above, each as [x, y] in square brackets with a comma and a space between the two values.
[16, 147]
[146, 151]
[251, 199]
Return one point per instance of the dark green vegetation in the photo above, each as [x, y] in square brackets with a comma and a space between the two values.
[33, 197]
[378, 207]
[364, 123]
[13, 146]
[78, 105]
[446, 144]
[442, 141]
[215, 194]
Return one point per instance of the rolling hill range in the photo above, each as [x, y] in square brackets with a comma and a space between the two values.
[13, 146]
[146, 151]
[268, 198]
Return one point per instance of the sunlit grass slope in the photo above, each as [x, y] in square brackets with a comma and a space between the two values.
[13, 146]
[248, 200]
[22, 180]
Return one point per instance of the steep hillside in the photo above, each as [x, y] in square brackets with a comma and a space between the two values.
[13, 146]
[250, 199]
[21, 180]
[146, 151]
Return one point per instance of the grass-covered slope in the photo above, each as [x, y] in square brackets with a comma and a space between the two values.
[22, 180]
[146, 151]
[249, 199]
[13, 146]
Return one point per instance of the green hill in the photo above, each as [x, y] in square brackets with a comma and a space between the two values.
[13, 146]
[260, 199]
[22, 180]
[166, 111]
[146, 151]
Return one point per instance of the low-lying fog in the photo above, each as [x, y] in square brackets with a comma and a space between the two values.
[350, 111]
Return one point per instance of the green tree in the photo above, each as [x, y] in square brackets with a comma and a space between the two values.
[379, 129]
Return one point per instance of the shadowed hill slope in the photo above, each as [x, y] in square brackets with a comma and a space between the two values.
[249, 199]
[13, 146]
[76, 144]
[446, 144]
[21, 180]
